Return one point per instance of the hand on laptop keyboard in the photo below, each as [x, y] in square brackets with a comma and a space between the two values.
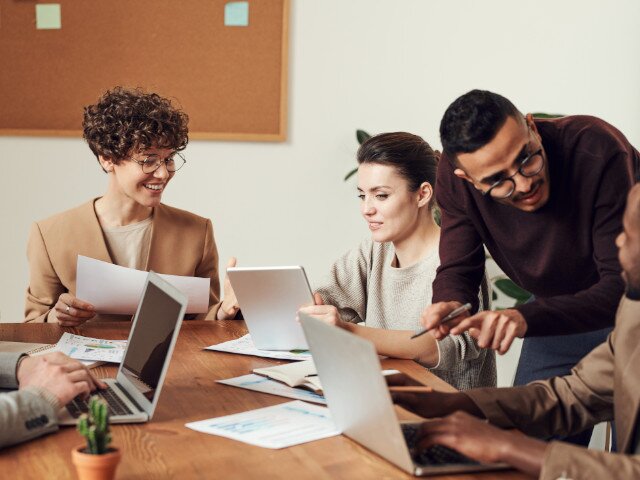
[62, 376]
[433, 455]
[80, 405]
[474, 438]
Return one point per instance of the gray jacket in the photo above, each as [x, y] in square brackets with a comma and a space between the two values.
[24, 414]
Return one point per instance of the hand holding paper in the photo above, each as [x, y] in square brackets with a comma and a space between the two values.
[114, 289]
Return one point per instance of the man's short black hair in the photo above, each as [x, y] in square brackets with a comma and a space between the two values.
[472, 121]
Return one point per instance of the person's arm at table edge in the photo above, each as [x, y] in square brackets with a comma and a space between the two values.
[44, 287]
[208, 268]
[24, 414]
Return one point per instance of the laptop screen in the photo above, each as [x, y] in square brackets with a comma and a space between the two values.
[149, 344]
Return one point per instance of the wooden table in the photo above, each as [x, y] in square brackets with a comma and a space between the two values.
[165, 448]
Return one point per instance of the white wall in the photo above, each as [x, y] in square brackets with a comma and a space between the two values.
[378, 65]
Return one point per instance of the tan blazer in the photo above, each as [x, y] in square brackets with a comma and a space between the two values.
[182, 243]
[603, 386]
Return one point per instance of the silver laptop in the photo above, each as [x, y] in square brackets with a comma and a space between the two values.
[133, 395]
[361, 406]
[270, 298]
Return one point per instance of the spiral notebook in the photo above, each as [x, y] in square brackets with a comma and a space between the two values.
[35, 349]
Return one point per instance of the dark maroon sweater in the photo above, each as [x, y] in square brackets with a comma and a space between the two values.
[564, 253]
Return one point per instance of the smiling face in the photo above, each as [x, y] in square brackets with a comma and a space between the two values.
[129, 182]
[628, 241]
[392, 212]
[501, 158]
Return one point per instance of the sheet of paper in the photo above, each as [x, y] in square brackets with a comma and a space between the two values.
[115, 289]
[48, 16]
[244, 346]
[279, 426]
[236, 14]
[93, 349]
[259, 383]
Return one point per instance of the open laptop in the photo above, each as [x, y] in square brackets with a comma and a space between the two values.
[361, 406]
[133, 395]
[270, 298]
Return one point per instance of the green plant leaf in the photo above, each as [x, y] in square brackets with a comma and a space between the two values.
[362, 136]
[547, 115]
[95, 426]
[509, 288]
[350, 174]
[437, 216]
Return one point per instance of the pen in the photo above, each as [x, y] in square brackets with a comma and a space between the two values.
[464, 308]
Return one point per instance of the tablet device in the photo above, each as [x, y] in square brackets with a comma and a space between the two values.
[270, 298]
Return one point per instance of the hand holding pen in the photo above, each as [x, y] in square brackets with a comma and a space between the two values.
[448, 318]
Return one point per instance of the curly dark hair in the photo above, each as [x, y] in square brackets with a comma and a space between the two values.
[127, 120]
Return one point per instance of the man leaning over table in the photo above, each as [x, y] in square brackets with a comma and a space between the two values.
[604, 386]
[546, 197]
[45, 383]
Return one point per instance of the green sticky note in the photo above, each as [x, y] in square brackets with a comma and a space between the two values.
[236, 14]
[48, 16]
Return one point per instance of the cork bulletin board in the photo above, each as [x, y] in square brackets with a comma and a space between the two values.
[223, 62]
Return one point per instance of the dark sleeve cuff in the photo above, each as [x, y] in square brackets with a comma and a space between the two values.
[9, 369]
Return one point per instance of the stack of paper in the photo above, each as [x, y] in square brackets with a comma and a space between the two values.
[266, 385]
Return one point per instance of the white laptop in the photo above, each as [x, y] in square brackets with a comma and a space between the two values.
[270, 298]
[361, 406]
[133, 395]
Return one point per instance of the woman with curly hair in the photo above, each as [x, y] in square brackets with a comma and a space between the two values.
[137, 138]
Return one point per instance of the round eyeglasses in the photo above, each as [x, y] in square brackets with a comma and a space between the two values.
[152, 163]
[529, 167]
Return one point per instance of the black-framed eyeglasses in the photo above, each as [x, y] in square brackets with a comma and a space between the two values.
[173, 163]
[530, 166]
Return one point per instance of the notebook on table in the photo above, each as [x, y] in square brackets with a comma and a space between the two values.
[25, 347]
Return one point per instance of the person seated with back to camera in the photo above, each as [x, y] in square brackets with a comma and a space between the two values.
[44, 384]
[602, 387]
[137, 138]
[386, 281]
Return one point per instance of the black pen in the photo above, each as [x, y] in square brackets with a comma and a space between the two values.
[464, 308]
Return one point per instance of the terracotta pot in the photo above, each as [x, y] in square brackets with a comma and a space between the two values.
[95, 467]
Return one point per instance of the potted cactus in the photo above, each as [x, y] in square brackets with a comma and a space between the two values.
[96, 460]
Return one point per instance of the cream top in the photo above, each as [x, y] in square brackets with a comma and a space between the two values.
[365, 287]
[129, 245]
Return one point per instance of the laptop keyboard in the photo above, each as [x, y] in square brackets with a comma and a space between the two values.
[434, 455]
[78, 406]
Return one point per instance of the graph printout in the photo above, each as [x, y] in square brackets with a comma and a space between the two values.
[279, 426]
[94, 349]
[244, 346]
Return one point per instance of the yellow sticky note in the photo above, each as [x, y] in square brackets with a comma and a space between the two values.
[48, 16]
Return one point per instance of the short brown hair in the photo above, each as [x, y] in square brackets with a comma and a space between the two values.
[124, 120]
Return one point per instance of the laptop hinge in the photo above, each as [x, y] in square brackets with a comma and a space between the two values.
[135, 404]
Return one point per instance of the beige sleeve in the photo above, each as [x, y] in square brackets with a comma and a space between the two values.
[44, 284]
[345, 287]
[559, 406]
[570, 461]
[208, 267]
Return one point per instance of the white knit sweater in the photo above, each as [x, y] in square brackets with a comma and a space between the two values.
[365, 287]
